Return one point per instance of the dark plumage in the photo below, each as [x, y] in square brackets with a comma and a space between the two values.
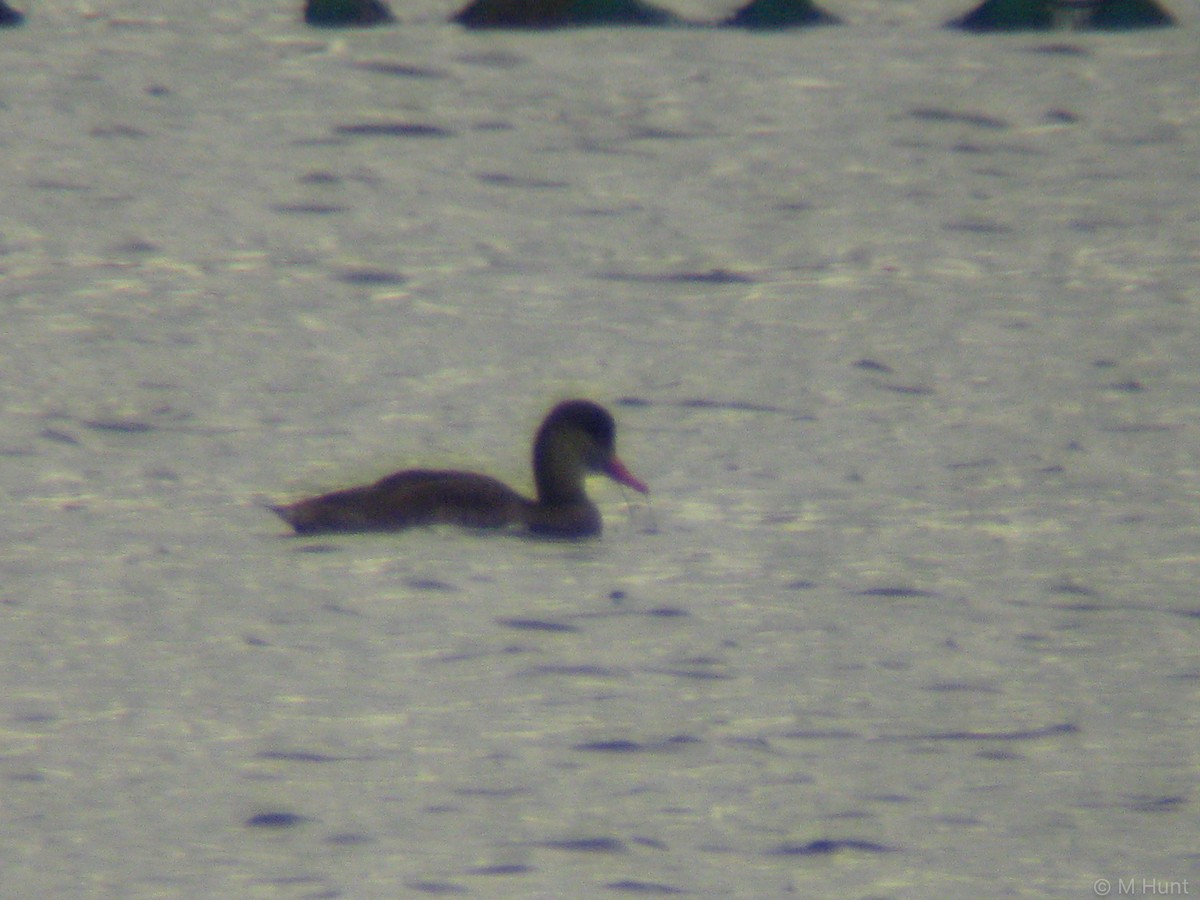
[577, 437]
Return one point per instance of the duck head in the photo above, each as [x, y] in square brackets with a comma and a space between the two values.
[577, 437]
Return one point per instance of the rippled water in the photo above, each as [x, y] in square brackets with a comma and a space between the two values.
[899, 324]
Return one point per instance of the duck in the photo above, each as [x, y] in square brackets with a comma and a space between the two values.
[576, 438]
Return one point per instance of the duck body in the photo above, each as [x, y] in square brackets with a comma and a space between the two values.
[577, 437]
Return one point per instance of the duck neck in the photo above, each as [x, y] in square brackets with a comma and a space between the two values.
[558, 468]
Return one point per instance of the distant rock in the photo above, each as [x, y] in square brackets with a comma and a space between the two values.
[1043, 15]
[1120, 14]
[345, 13]
[560, 13]
[768, 15]
[1007, 15]
[9, 17]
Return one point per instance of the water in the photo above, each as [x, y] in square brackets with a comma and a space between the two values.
[898, 323]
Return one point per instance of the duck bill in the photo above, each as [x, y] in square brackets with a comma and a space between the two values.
[617, 472]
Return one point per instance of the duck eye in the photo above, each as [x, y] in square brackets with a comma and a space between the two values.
[594, 455]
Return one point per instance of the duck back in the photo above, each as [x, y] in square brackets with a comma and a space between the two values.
[408, 499]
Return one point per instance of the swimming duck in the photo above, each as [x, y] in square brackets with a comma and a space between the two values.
[576, 438]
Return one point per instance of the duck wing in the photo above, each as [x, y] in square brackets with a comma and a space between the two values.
[408, 499]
